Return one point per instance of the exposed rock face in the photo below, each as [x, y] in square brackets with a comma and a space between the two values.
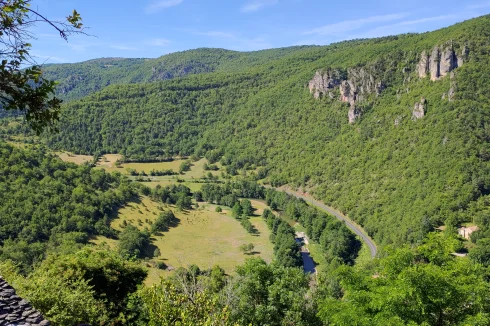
[324, 81]
[450, 94]
[347, 92]
[448, 61]
[434, 63]
[16, 311]
[398, 120]
[354, 114]
[464, 56]
[354, 86]
[423, 65]
[441, 61]
[419, 110]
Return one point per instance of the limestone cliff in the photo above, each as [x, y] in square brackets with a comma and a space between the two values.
[325, 81]
[354, 86]
[419, 109]
[441, 61]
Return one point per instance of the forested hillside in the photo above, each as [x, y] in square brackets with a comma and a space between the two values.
[397, 172]
[80, 79]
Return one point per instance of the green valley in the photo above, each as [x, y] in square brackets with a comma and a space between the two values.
[334, 185]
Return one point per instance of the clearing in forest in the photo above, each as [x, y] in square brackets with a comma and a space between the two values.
[202, 237]
[73, 158]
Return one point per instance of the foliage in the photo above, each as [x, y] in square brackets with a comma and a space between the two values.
[48, 204]
[133, 242]
[63, 300]
[247, 248]
[168, 306]
[270, 295]
[163, 221]
[90, 286]
[26, 90]
[411, 289]
[185, 166]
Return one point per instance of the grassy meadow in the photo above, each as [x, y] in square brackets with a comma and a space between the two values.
[202, 237]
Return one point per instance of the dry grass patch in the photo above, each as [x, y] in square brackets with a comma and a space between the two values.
[146, 167]
[202, 237]
[73, 158]
[207, 238]
[108, 160]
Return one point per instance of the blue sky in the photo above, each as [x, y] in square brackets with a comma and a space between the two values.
[151, 28]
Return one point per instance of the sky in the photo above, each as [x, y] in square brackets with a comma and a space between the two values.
[152, 28]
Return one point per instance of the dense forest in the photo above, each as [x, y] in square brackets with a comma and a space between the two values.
[398, 177]
[80, 79]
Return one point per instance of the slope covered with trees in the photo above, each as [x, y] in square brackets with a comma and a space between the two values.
[47, 204]
[80, 79]
[398, 177]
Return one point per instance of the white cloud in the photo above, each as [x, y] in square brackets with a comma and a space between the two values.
[255, 5]
[351, 25]
[158, 5]
[158, 42]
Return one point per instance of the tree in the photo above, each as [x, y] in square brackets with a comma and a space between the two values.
[156, 253]
[185, 166]
[237, 210]
[133, 242]
[247, 207]
[163, 221]
[184, 202]
[219, 209]
[26, 90]
[247, 248]
[167, 305]
[481, 253]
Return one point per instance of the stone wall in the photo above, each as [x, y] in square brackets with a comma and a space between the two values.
[16, 311]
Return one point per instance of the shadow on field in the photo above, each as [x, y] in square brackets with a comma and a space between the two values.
[252, 253]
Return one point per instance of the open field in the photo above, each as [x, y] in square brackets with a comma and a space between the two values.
[72, 158]
[202, 237]
[108, 160]
[108, 163]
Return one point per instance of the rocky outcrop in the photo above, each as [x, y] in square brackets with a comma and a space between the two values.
[362, 82]
[16, 311]
[441, 61]
[353, 86]
[348, 92]
[354, 114]
[398, 120]
[423, 66]
[324, 82]
[419, 109]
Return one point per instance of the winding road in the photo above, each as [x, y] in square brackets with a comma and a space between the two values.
[356, 229]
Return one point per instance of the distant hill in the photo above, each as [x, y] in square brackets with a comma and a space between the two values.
[80, 79]
[393, 131]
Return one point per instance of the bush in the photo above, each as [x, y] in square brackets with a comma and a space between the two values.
[163, 221]
[133, 242]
